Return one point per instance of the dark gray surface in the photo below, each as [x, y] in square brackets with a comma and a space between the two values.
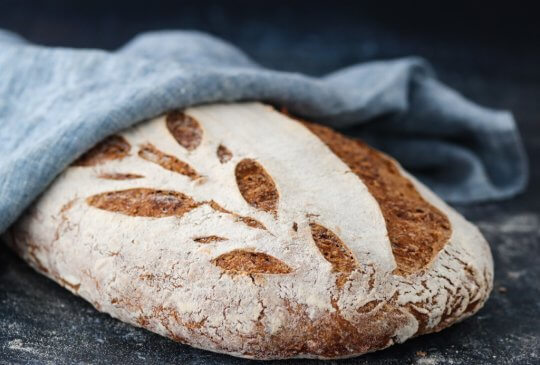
[41, 322]
[491, 62]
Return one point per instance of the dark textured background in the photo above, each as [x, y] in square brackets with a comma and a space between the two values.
[488, 51]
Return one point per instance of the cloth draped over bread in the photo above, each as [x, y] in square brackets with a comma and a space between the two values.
[56, 103]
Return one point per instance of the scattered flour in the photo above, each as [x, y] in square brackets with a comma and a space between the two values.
[433, 360]
[519, 223]
[18, 344]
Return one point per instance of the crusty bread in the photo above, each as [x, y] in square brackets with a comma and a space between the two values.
[237, 229]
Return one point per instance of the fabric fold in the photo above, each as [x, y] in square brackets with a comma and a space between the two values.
[55, 103]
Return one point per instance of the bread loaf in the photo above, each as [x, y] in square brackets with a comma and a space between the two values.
[237, 229]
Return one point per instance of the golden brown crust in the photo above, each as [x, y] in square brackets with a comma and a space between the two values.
[248, 262]
[224, 154]
[185, 129]
[327, 336]
[171, 163]
[119, 176]
[334, 251]
[209, 239]
[142, 202]
[256, 186]
[417, 230]
[112, 148]
[251, 222]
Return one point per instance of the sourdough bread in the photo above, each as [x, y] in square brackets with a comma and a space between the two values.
[238, 229]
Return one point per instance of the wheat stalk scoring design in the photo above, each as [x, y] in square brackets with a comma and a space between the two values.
[255, 185]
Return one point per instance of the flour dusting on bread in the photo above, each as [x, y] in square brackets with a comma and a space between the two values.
[238, 229]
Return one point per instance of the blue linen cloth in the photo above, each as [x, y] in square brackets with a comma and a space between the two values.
[55, 103]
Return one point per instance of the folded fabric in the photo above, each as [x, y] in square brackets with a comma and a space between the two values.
[55, 103]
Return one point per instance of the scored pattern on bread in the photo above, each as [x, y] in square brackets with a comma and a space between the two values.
[256, 186]
[144, 202]
[334, 251]
[251, 222]
[417, 230]
[112, 148]
[209, 239]
[141, 202]
[185, 129]
[224, 154]
[248, 262]
[297, 241]
[119, 176]
[171, 163]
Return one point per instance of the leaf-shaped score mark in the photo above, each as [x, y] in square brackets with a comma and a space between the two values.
[119, 176]
[249, 262]
[143, 202]
[209, 239]
[111, 148]
[256, 186]
[168, 162]
[334, 251]
[185, 129]
[246, 220]
[224, 154]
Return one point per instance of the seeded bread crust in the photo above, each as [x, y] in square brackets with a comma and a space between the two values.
[238, 229]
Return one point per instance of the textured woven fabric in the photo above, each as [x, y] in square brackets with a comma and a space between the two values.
[55, 103]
